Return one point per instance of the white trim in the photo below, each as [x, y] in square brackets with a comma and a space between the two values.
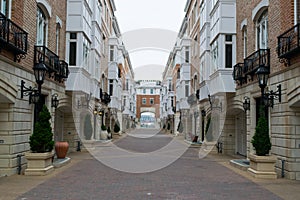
[46, 5]
[58, 21]
[262, 4]
[244, 23]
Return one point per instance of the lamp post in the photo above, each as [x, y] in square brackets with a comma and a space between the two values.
[246, 103]
[267, 98]
[40, 71]
[203, 114]
[54, 101]
[262, 76]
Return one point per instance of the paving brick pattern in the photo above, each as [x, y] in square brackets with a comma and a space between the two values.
[187, 178]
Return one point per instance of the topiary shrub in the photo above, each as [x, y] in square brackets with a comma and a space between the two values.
[116, 128]
[41, 140]
[88, 129]
[103, 127]
[261, 140]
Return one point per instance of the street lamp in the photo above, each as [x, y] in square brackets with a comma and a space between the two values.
[54, 101]
[39, 71]
[267, 97]
[246, 103]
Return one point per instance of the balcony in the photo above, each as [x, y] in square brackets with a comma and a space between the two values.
[13, 38]
[256, 59]
[57, 69]
[238, 74]
[288, 44]
[244, 72]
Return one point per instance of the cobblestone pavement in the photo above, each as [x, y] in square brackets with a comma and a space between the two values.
[187, 178]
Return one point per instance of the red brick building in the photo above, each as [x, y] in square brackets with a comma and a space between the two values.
[148, 98]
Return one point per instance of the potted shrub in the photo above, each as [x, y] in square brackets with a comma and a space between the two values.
[103, 134]
[262, 165]
[116, 128]
[41, 146]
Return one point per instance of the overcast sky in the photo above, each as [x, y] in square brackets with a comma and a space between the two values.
[149, 29]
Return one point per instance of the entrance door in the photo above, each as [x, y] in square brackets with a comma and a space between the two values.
[241, 134]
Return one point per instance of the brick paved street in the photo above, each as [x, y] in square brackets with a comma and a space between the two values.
[187, 178]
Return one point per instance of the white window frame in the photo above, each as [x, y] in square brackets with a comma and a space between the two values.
[144, 101]
[42, 27]
[262, 31]
[151, 101]
[5, 8]
[245, 41]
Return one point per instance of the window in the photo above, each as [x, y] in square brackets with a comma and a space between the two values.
[111, 53]
[144, 91]
[111, 87]
[262, 31]
[151, 91]
[124, 101]
[178, 74]
[151, 101]
[245, 40]
[57, 34]
[41, 28]
[5, 7]
[127, 84]
[195, 82]
[143, 100]
[228, 51]
[187, 54]
[187, 88]
[72, 50]
[86, 51]
[297, 12]
[215, 55]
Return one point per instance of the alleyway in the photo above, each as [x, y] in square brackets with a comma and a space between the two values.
[187, 178]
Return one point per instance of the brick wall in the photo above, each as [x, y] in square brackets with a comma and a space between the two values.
[139, 104]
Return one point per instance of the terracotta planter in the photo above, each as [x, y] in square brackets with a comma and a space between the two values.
[61, 149]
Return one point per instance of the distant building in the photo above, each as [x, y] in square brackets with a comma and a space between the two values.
[148, 98]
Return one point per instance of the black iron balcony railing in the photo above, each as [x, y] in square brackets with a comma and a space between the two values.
[63, 71]
[46, 56]
[238, 74]
[288, 44]
[256, 59]
[57, 69]
[243, 72]
[13, 38]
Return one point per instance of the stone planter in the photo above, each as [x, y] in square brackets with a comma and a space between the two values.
[103, 135]
[61, 149]
[262, 166]
[39, 164]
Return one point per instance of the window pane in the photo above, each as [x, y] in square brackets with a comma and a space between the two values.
[228, 56]
[72, 55]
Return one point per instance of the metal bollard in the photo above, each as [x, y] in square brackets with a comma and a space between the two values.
[78, 146]
[282, 168]
[19, 164]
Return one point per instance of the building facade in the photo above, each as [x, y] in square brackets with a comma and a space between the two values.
[88, 69]
[32, 35]
[267, 32]
[148, 99]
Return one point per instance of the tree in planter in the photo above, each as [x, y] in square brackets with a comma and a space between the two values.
[261, 140]
[88, 129]
[116, 128]
[41, 140]
[103, 127]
